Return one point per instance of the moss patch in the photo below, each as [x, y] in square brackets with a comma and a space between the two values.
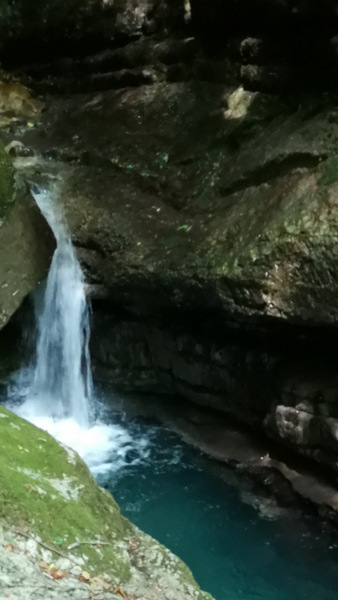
[330, 173]
[49, 488]
[6, 182]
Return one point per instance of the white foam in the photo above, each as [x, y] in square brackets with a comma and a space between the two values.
[62, 383]
[104, 448]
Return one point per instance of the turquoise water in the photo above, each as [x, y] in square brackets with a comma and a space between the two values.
[174, 495]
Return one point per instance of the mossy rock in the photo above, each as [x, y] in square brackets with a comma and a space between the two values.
[7, 190]
[26, 243]
[47, 490]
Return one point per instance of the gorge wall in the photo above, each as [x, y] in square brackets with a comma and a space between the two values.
[195, 147]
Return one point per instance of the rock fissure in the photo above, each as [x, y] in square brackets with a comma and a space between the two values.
[277, 168]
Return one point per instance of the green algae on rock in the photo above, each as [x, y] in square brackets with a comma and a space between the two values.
[26, 242]
[46, 489]
[6, 182]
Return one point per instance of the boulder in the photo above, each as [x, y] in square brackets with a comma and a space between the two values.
[48, 495]
[195, 197]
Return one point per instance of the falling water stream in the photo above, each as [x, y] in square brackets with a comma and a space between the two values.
[161, 484]
[55, 390]
[62, 383]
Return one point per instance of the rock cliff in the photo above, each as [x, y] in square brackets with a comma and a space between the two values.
[196, 150]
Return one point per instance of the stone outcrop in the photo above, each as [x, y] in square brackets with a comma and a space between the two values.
[48, 495]
[26, 243]
[53, 27]
[197, 197]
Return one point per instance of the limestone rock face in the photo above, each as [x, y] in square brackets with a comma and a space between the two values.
[48, 492]
[194, 197]
[26, 243]
[198, 169]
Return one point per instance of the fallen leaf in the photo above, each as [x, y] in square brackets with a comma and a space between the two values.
[29, 487]
[9, 547]
[101, 582]
[119, 592]
[58, 574]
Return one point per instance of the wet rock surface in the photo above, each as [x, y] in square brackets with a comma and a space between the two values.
[26, 242]
[162, 204]
[183, 185]
[25, 574]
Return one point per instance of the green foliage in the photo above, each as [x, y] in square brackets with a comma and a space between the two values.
[330, 174]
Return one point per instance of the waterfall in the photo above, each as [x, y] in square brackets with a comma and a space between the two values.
[62, 383]
[54, 391]
[56, 385]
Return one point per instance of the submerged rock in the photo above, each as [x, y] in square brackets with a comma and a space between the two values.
[49, 497]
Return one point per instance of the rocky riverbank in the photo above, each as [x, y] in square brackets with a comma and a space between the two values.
[28, 570]
[63, 536]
